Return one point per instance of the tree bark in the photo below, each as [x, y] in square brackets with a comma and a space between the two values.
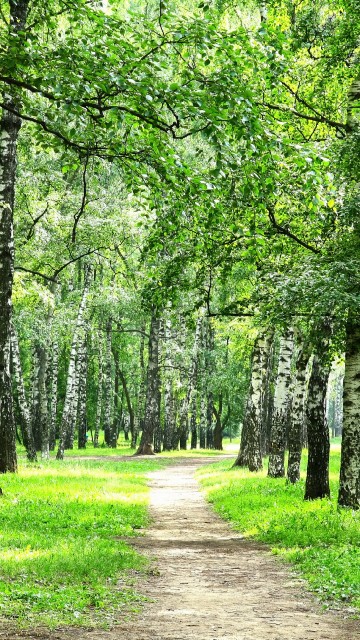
[53, 382]
[317, 478]
[99, 400]
[218, 431]
[9, 131]
[184, 410]
[35, 406]
[169, 416]
[297, 418]
[81, 409]
[250, 447]
[43, 402]
[349, 490]
[110, 434]
[152, 390]
[281, 411]
[68, 417]
[24, 411]
[193, 422]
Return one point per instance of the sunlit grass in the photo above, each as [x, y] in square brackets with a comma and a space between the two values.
[322, 541]
[61, 557]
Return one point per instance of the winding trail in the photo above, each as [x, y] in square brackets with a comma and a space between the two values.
[209, 584]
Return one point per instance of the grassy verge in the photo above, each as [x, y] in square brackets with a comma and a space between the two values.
[321, 541]
[61, 560]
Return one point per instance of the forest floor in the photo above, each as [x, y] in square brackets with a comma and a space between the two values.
[207, 583]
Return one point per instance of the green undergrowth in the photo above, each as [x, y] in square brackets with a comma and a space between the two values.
[62, 561]
[322, 541]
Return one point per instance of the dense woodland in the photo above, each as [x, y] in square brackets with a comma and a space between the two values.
[179, 239]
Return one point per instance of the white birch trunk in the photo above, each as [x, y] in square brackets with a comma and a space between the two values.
[22, 400]
[9, 130]
[349, 490]
[297, 418]
[281, 411]
[110, 437]
[67, 415]
[53, 383]
[99, 401]
[152, 390]
[184, 410]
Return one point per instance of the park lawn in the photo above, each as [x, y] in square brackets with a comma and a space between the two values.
[322, 541]
[61, 560]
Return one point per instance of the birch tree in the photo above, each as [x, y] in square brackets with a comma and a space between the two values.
[68, 416]
[281, 411]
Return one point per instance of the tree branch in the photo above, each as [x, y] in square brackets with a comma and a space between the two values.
[286, 232]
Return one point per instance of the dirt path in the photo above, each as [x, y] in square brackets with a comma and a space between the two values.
[211, 584]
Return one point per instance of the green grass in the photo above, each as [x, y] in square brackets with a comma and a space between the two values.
[322, 541]
[61, 560]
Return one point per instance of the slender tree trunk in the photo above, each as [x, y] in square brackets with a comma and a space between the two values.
[267, 394]
[53, 381]
[24, 412]
[281, 412]
[152, 391]
[125, 387]
[99, 401]
[81, 410]
[110, 437]
[349, 490]
[317, 479]
[43, 403]
[68, 416]
[297, 414]
[139, 418]
[193, 422]
[202, 427]
[218, 431]
[184, 410]
[169, 417]
[250, 447]
[35, 408]
[9, 131]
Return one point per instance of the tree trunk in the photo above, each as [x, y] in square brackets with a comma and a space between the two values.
[202, 427]
[250, 447]
[349, 490]
[152, 391]
[297, 414]
[267, 393]
[110, 436]
[68, 417]
[81, 410]
[9, 131]
[218, 431]
[139, 418]
[169, 417]
[184, 411]
[53, 381]
[24, 411]
[281, 411]
[99, 400]
[35, 407]
[43, 402]
[317, 479]
[193, 422]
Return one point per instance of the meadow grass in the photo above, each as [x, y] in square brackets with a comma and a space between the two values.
[61, 561]
[322, 541]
